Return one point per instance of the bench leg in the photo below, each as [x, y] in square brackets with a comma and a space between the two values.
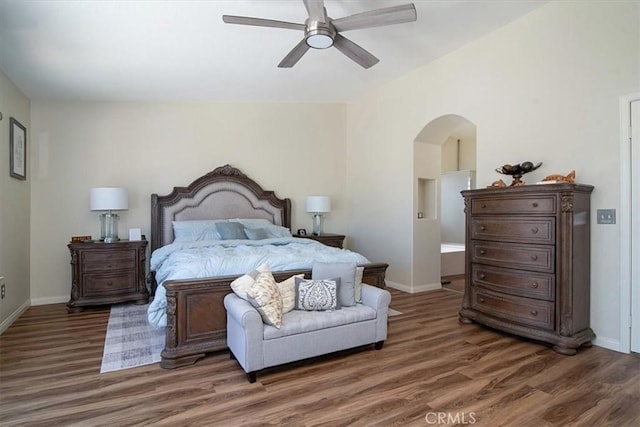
[378, 345]
[251, 376]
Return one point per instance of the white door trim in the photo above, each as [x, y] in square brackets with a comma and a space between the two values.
[625, 220]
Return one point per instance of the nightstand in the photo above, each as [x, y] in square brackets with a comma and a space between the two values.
[107, 273]
[335, 240]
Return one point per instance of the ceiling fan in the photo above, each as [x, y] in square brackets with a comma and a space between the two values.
[322, 32]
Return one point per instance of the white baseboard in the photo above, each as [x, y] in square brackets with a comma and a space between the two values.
[13, 317]
[610, 343]
[414, 289]
[49, 300]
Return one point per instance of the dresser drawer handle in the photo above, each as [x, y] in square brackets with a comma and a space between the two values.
[482, 252]
[108, 265]
[534, 230]
[109, 283]
[534, 312]
[483, 205]
[534, 285]
[482, 276]
[481, 299]
[482, 228]
[535, 204]
[534, 257]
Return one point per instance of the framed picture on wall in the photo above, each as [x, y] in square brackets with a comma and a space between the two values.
[17, 149]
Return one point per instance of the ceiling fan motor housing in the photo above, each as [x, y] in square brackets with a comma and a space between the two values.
[319, 35]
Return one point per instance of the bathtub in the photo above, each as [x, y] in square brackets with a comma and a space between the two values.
[451, 259]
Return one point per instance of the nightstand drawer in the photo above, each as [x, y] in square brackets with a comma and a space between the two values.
[99, 284]
[511, 255]
[514, 229]
[526, 311]
[514, 282]
[524, 205]
[108, 260]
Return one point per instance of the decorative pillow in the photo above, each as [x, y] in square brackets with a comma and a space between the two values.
[193, 230]
[358, 287]
[231, 230]
[256, 233]
[271, 229]
[317, 295]
[287, 290]
[265, 297]
[242, 284]
[346, 271]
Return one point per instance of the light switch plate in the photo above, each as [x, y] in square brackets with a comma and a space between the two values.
[606, 216]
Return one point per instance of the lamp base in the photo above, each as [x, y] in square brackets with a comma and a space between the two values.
[109, 227]
[318, 221]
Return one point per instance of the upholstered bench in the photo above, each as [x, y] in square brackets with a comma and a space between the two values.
[304, 334]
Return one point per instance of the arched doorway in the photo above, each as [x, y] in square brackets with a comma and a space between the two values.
[446, 144]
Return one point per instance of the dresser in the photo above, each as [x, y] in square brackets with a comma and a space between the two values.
[329, 239]
[107, 273]
[527, 262]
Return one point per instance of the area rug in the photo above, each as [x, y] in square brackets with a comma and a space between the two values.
[130, 341]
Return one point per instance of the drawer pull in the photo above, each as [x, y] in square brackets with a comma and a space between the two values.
[535, 204]
[534, 285]
[108, 265]
[482, 276]
[483, 205]
[482, 228]
[534, 230]
[109, 283]
[482, 252]
[534, 312]
[481, 299]
[534, 257]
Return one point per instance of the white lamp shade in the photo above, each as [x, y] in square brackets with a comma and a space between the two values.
[318, 204]
[109, 199]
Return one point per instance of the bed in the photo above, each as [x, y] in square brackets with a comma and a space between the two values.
[195, 314]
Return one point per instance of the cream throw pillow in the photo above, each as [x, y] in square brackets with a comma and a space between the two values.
[265, 297]
[242, 284]
[287, 290]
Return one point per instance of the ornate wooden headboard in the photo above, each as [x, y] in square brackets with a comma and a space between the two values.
[223, 193]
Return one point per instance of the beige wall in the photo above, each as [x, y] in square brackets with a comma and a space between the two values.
[295, 149]
[14, 209]
[544, 88]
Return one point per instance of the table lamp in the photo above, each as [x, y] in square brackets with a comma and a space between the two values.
[109, 199]
[318, 205]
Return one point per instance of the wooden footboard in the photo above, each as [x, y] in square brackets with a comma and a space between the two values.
[197, 320]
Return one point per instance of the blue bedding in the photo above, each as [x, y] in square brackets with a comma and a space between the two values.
[210, 258]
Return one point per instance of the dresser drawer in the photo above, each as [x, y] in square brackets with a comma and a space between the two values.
[513, 255]
[514, 229]
[522, 205]
[514, 282]
[108, 260]
[106, 284]
[526, 311]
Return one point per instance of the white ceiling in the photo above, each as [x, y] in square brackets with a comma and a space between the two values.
[181, 50]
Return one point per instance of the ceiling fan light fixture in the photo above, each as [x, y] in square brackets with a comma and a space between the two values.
[319, 35]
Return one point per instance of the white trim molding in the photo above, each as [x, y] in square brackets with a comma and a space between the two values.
[625, 222]
[14, 316]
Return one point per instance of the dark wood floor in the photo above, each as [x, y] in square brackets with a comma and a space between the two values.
[431, 369]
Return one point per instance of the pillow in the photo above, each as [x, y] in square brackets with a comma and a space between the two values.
[358, 287]
[192, 230]
[265, 297]
[242, 284]
[256, 233]
[287, 290]
[346, 271]
[271, 229]
[231, 230]
[317, 295]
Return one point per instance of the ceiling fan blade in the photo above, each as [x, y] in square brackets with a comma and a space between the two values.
[377, 18]
[355, 52]
[259, 22]
[294, 56]
[315, 9]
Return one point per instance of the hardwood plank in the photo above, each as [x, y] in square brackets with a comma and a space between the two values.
[431, 364]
